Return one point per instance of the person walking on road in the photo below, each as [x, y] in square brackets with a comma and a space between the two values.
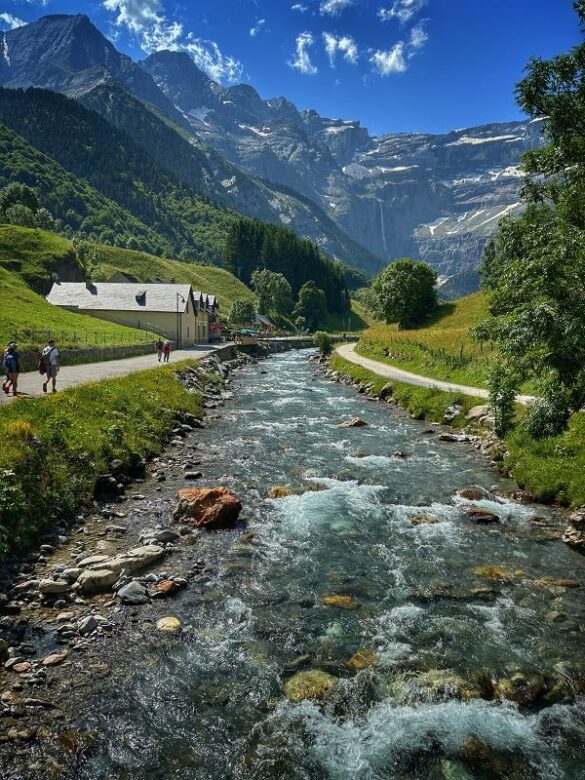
[12, 368]
[167, 351]
[159, 346]
[50, 356]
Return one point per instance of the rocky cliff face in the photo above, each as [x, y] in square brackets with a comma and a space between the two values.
[438, 197]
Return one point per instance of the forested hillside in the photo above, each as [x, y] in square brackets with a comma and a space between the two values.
[183, 224]
[251, 245]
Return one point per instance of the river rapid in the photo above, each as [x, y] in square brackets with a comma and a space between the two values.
[436, 630]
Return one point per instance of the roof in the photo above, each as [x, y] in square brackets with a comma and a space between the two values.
[121, 297]
[261, 319]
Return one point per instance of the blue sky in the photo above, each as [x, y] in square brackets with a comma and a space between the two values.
[397, 65]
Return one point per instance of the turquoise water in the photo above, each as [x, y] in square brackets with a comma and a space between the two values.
[210, 704]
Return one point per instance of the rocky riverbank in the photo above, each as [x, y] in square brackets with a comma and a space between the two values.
[475, 427]
[83, 597]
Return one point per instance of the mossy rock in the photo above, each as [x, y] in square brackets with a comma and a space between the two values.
[362, 659]
[312, 684]
[498, 573]
[341, 602]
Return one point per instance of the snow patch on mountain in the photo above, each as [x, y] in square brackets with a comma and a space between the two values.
[468, 139]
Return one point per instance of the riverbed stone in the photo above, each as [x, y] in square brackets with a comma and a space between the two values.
[96, 580]
[207, 508]
[53, 587]
[482, 516]
[519, 688]
[341, 601]
[312, 684]
[55, 659]
[498, 573]
[167, 588]
[133, 593]
[423, 520]
[361, 659]
[279, 491]
[169, 624]
[354, 422]
[87, 625]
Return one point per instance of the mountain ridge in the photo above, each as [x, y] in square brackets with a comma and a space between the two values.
[434, 196]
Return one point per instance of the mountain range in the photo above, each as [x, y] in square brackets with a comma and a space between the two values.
[363, 199]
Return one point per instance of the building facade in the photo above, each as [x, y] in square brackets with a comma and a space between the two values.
[173, 311]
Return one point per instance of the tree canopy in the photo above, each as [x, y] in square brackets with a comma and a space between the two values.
[273, 291]
[311, 305]
[242, 312]
[405, 292]
[534, 270]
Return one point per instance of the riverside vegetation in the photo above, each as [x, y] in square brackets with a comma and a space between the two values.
[55, 448]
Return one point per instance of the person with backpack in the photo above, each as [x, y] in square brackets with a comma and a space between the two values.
[167, 351]
[49, 364]
[159, 346]
[12, 368]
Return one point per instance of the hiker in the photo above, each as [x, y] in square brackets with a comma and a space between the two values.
[159, 349]
[12, 369]
[167, 351]
[49, 364]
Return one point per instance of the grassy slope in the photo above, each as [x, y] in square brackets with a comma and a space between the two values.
[28, 257]
[358, 320]
[442, 348]
[206, 278]
[63, 443]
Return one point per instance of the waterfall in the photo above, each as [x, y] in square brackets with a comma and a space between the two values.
[383, 228]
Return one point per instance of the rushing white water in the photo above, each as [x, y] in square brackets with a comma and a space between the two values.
[210, 704]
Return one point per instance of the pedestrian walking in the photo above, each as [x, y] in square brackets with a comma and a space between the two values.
[167, 351]
[159, 346]
[49, 361]
[12, 369]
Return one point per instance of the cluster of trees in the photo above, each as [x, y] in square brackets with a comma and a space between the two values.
[253, 248]
[534, 270]
[20, 205]
[274, 299]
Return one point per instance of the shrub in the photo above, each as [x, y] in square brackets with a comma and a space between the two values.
[324, 342]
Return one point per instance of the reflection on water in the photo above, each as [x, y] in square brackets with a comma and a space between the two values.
[437, 631]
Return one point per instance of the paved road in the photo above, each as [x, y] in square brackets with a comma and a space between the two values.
[348, 352]
[30, 384]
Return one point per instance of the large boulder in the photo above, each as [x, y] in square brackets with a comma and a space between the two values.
[209, 508]
[108, 571]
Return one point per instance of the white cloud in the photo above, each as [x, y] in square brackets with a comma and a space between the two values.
[334, 7]
[345, 45]
[12, 21]
[392, 61]
[257, 27]
[299, 7]
[418, 38]
[146, 19]
[396, 59]
[302, 61]
[403, 10]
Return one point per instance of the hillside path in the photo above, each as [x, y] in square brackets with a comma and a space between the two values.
[30, 383]
[347, 351]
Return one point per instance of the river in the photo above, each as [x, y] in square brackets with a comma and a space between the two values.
[436, 631]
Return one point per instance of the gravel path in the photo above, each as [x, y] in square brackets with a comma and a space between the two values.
[347, 351]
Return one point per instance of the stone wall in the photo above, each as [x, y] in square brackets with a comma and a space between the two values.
[87, 354]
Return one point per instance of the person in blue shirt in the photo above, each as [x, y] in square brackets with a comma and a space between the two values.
[12, 369]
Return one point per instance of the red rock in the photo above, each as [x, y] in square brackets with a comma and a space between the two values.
[167, 587]
[209, 508]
